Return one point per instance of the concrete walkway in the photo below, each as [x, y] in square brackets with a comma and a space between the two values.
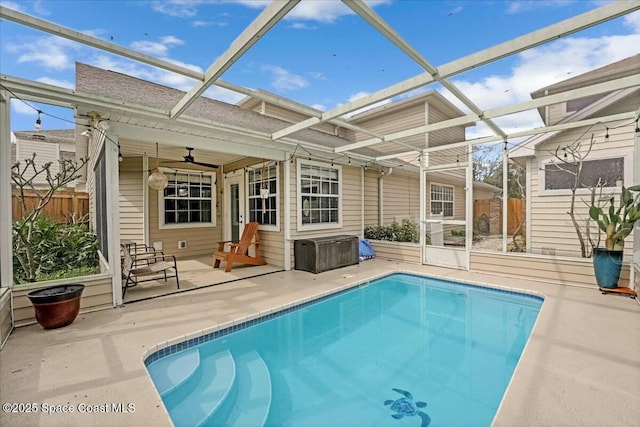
[581, 366]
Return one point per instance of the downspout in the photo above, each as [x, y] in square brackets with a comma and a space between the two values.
[384, 172]
[287, 212]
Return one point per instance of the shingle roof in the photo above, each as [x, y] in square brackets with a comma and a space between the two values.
[122, 87]
[615, 70]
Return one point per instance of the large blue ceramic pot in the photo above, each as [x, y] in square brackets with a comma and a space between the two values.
[607, 266]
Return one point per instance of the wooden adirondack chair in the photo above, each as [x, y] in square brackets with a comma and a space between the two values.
[239, 251]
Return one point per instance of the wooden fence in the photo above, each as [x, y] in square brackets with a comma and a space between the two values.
[64, 206]
[491, 210]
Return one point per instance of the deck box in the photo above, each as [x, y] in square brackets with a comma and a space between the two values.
[325, 253]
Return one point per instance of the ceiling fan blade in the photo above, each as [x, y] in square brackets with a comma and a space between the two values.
[208, 165]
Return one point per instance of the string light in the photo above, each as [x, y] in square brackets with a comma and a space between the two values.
[606, 135]
[38, 124]
[565, 152]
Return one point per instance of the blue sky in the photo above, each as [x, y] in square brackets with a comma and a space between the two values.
[321, 54]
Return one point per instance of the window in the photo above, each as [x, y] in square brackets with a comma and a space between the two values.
[442, 200]
[263, 196]
[609, 171]
[188, 200]
[319, 195]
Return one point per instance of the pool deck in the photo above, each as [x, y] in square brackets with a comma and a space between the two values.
[581, 365]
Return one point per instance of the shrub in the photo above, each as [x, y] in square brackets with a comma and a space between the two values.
[58, 250]
[407, 231]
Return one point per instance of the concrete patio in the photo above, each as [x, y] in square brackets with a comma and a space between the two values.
[579, 368]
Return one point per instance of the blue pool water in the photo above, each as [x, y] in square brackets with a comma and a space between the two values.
[403, 350]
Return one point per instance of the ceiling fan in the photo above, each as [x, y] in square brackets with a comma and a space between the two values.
[189, 159]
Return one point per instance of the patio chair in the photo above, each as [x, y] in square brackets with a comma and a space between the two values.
[239, 251]
[144, 264]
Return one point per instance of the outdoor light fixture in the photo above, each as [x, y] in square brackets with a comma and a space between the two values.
[87, 133]
[38, 124]
[157, 179]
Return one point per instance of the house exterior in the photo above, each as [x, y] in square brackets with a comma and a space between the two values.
[51, 146]
[312, 194]
[612, 159]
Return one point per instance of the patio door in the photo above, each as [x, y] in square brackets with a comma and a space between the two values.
[447, 216]
[234, 206]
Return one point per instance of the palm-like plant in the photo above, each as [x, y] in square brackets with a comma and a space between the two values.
[616, 223]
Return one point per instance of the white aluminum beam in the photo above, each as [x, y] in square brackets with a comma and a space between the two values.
[609, 86]
[67, 33]
[530, 132]
[362, 9]
[483, 57]
[269, 17]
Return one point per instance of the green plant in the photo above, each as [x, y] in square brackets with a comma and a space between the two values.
[34, 239]
[407, 231]
[57, 250]
[616, 223]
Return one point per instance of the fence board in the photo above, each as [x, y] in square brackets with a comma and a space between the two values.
[492, 208]
[63, 206]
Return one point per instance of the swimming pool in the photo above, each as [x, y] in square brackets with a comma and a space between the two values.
[401, 350]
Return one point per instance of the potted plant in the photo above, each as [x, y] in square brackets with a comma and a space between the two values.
[617, 223]
[56, 306]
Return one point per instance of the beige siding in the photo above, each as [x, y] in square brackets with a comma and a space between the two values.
[401, 197]
[97, 295]
[551, 227]
[556, 112]
[444, 136]
[553, 270]
[5, 315]
[371, 197]
[397, 251]
[46, 152]
[131, 200]
[351, 207]
[200, 240]
[295, 117]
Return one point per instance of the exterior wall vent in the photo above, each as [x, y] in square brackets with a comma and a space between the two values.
[182, 244]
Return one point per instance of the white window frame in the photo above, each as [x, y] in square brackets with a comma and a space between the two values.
[214, 191]
[628, 176]
[319, 226]
[453, 199]
[247, 214]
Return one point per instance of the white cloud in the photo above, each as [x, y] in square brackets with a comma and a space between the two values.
[40, 8]
[160, 48]
[319, 107]
[55, 82]
[518, 6]
[302, 26]
[632, 21]
[177, 8]
[20, 107]
[537, 68]
[12, 5]
[49, 52]
[285, 80]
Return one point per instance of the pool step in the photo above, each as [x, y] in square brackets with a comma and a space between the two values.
[253, 398]
[216, 380]
[171, 372]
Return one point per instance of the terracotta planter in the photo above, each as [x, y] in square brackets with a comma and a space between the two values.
[56, 306]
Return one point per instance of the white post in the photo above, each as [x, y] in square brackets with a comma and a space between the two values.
[286, 212]
[423, 207]
[469, 205]
[6, 247]
[505, 195]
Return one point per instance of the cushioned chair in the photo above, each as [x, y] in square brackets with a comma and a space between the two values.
[138, 264]
[239, 251]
